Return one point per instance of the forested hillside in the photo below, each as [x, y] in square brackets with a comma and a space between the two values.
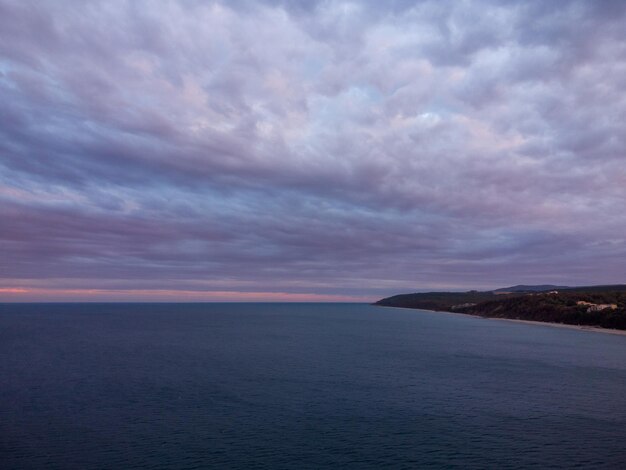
[603, 306]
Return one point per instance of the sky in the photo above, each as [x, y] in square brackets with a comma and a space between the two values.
[309, 151]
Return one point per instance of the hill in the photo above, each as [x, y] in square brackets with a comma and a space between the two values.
[524, 288]
[440, 301]
[603, 306]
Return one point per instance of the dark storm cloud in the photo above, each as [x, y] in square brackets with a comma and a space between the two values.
[340, 148]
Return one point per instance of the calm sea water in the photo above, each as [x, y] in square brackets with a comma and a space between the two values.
[303, 386]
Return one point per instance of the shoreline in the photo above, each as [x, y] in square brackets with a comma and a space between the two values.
[592, 329]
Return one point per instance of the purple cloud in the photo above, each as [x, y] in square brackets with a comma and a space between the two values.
[333, 148]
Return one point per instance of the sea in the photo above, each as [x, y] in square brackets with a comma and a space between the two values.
[303, 386]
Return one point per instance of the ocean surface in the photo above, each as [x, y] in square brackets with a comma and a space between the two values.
[303, 386]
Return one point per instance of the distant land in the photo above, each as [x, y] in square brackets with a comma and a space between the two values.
[597, 306]
[524, 288]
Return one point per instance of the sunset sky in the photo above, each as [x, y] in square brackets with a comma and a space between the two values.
[330, 150]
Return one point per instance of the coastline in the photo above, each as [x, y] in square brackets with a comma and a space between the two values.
[593, 329]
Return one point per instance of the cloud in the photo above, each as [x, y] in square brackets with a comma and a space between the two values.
[331, 148]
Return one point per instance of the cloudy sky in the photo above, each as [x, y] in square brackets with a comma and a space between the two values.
[329, 150]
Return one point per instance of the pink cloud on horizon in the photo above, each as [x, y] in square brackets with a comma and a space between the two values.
[12, 294]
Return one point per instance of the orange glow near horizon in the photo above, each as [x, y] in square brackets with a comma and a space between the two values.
[36, 294]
